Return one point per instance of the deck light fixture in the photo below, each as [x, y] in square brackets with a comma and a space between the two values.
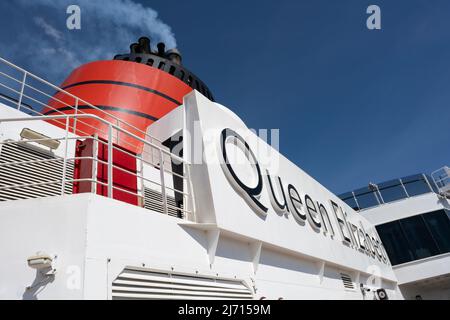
[40, 261]
[41, 138]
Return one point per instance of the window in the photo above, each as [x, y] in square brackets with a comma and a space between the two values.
[392, 190]
[420, 240]
[366, 198]
[439, 225]
[416, 237]
[395, 242]
[416, 185]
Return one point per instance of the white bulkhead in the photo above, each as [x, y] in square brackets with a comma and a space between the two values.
[257, 228]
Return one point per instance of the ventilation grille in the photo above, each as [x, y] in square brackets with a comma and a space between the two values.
[347, 281]
[153, 201]
[142, 284]
[43, 174]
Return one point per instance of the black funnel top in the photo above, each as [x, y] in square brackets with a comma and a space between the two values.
[165, 60]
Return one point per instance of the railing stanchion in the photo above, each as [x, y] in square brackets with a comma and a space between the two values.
[117, 132]
[110, 161]
[404, 188]
[163, 185]
[356, 200]
[75, 118]
[66, 142]
[94, 163]
[189, 205]
[427, 182]
[141, 168]
[377, 190]
[22, 88]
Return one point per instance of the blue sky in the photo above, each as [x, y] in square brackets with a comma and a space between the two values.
[352, 105]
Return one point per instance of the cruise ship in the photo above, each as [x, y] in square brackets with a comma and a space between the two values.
[129, 181]
[412, 216]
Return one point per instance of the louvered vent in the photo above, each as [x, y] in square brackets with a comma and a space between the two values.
[347, 281]
[145, 284]
[44, 175]
[153, 201]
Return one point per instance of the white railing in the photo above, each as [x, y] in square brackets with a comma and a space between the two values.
[441, 178]
[375, 195]
[185, 194]
[24, 91]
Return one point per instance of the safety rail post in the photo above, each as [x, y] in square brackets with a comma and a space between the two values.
[428, 182]
[117, 131]
[110, 162]
[66, 143]
[94, 163]
[163, 185]
[141, 168]
[75, 118]
[356, 200]
[379, 194]
[404, 188]
[22, 88]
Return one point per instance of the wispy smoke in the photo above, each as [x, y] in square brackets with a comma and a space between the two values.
[45, 45]
[48, 29]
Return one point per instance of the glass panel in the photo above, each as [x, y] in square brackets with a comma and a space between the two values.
[366, 198]
[441, 177]
[392, 190]
[349, 199]
[416, 185]
[439, 224]
[395, 243]
[419, 238]
[433, 186]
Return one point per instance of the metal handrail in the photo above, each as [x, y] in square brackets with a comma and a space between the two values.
[23, 84]
[187, 208]
[441, 179]
[377, 191]
[44, 105]
[93, 116]
[18, 103]
[80, 137]
[29, 92]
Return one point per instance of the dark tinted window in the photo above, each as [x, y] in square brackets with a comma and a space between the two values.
[395, 243]
[439, 225]
[420, 240]
[416, 237]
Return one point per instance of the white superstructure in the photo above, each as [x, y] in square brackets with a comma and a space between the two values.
[412, 215]
[229, 217]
